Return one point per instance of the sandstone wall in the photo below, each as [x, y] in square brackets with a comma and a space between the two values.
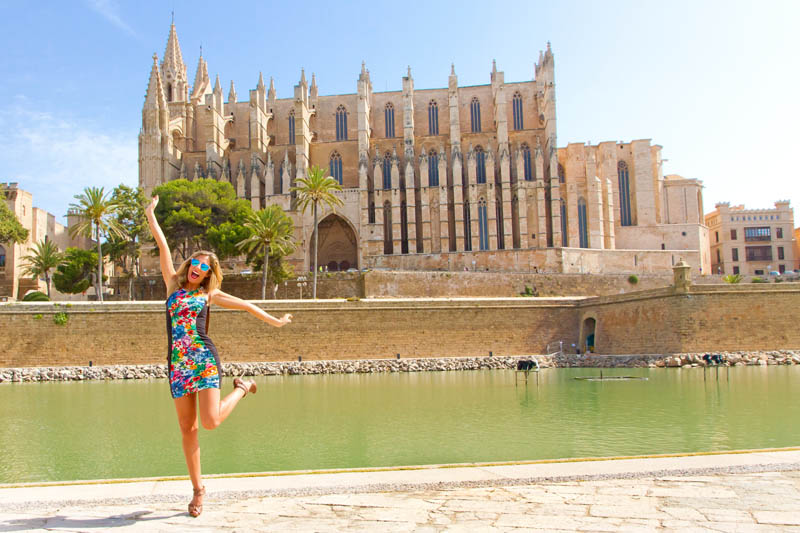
[707, 318]
[655, 321]
[123, 333]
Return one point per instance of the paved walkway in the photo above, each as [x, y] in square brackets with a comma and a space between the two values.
[754, 491]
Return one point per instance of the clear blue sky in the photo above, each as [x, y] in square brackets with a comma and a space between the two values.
[715, 83]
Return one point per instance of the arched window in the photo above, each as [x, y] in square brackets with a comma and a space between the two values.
[467, 228]
[483, 225]
[388, 117]
[480, 164]
[2, 257]
[387, 171]
[561, 174]
[341, 123]
[403, 227]
[517, 106]
[280, 178]
[475, 115]
[433, 169]
[583, 227]
[371, 213]
[624, 194]
[291, 126]
[336, 167]
[526, 162]
[564, 236]
[388, 248]
[433, 118]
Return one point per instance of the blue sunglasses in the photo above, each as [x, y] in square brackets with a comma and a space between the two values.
[204, 267]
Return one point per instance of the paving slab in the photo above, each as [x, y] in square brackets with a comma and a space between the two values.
[752, 491]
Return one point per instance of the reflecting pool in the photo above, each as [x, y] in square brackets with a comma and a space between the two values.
[116, 429]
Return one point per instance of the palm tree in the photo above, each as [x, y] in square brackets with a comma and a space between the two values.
[317, 189]
[96, 210]
[271, 234]
[44, 258]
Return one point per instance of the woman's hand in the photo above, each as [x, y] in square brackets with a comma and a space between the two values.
[151, 208]
[285, 319]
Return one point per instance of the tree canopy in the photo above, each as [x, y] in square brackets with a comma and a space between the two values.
[124, 250]
[43, 258]
[271, 233]
[11, 231]
[74, 275]
[97, 210]
[204, 213]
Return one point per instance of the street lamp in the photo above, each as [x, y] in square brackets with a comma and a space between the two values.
[301, 282]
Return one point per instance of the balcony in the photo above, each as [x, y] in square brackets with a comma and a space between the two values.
[758, 253]
[762, 234]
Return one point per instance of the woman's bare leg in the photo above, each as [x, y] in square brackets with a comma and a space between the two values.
[213, 411]
[186, 407]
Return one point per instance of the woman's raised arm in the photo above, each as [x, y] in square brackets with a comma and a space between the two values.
[232, 302]
[164, 255]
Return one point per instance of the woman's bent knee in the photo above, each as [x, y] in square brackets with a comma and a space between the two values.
[211, 423]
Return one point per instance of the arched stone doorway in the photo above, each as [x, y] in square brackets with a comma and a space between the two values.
[338, 246]
[588, 339]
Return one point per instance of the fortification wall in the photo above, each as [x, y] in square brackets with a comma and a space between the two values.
[125, 333]
[656, 321]
[706, 318]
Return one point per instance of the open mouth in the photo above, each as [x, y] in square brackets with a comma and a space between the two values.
[194, 275]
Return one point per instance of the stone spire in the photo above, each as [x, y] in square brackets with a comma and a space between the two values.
[303, 77]
[260, 84]
[173, 59]
[155, 99]
[452, 69]
[313, 91]
[232, 94]
[201, 79]
[173, 70]
[271, 93]
[217, 86]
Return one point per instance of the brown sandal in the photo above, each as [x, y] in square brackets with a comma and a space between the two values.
[194, 509]
[246, 386]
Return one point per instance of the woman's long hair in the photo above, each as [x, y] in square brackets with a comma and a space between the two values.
[212, 281]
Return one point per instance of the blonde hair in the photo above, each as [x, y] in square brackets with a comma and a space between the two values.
[212, 281]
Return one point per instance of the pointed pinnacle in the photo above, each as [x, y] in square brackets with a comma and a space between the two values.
[260, 81]
[217, 86]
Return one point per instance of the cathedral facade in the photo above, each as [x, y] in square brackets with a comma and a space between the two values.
[451, 178]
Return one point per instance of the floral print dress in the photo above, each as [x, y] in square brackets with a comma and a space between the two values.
[192, 359]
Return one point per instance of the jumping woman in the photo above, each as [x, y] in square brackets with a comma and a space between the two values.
[192, 360]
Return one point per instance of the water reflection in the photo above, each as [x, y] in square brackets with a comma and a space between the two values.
[91, 430]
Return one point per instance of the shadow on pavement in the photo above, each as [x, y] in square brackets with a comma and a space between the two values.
[63, 522]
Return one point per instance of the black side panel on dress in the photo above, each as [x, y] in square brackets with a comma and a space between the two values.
[169, 347]
[202, 332]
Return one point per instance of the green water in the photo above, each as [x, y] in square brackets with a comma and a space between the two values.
[92, 430]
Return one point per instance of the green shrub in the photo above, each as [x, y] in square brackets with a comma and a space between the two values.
[35, 296]
[353, 299]
[37, 316]
[528, 291]
[732, 278]
[59, 319]
[759, 280]
[633, 279]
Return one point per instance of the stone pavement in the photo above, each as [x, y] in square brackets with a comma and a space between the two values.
[754, 491]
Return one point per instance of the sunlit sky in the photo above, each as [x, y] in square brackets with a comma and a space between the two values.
[715, 83]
